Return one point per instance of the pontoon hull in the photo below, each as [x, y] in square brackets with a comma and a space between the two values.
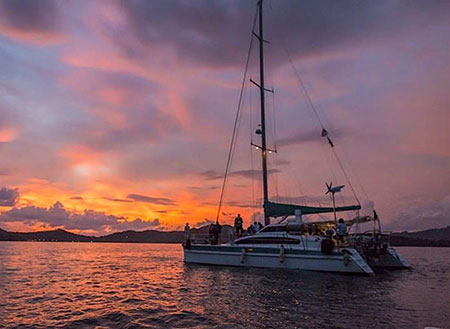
[391, 259]
[272, 258]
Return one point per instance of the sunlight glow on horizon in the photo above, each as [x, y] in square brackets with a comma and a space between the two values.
[109, 112]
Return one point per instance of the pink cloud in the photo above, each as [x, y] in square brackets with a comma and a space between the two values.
[39, 38]
[36, 22]
[80, 154]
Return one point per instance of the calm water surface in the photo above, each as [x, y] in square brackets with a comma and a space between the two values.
[72, 285]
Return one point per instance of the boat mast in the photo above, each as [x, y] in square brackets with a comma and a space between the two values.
[263, 117]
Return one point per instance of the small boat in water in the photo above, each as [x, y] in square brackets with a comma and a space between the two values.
[292, 243]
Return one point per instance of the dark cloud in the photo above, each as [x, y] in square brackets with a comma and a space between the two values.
[88, 220]
[122, 110]
[8, 197]
[211, 175]
[248, 173]
[198, 188]
[139, 224]
[252, 174]
[30, 16]
[204, 222]
[117, 200]
[239, 204]
[5, 172]
[76, 198]
[202, 37]
[281, 162]
[149, 199]
[216, 33]
[208, 204]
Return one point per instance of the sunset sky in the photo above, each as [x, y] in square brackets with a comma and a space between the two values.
[118, 115]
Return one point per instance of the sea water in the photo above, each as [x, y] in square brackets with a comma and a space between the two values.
[115, 285]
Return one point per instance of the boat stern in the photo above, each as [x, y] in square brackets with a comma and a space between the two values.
[353, 259]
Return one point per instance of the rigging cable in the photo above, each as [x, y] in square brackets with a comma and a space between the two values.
[252, 166]
[236, 121]
[324, 131]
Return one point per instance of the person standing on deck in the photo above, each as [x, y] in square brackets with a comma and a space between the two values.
[214, 232]
[341, 229]
[187, 231]
[187, 236]
[238, 228]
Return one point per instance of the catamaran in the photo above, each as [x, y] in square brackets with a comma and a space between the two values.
[292, 243]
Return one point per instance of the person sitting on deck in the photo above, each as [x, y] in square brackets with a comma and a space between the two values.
[330, 232]
[260, 225]
[255, 227]
[341, 229]
[238, 222]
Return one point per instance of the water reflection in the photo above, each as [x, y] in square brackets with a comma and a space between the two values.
[148, 285]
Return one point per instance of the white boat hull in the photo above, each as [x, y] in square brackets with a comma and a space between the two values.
[272, 258]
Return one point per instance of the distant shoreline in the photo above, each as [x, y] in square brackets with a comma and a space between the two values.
[179, 243]
[54, 241]
[427, 238]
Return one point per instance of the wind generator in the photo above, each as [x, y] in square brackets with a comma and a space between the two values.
[333, 190]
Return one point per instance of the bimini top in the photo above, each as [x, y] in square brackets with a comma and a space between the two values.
[274, 209]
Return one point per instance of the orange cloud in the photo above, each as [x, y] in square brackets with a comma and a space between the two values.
[8, 134]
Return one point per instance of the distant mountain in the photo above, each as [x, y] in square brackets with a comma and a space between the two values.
[442, 234]
[433, 237]
[149, 236]
[437, 237]
[54, 235]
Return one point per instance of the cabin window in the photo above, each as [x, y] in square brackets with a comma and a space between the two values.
[268, 240]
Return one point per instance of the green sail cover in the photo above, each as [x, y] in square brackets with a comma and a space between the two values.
[274, 209]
